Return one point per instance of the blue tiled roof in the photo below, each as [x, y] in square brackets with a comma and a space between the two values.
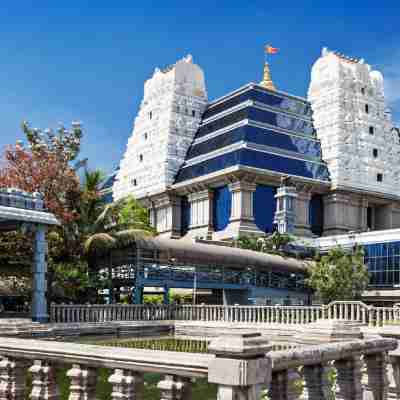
[259, 128]
[108, 182]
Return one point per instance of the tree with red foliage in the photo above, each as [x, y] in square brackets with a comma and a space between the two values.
[44, 166]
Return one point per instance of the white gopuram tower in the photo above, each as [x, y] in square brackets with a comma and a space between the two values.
[170, 113]
[358, 140]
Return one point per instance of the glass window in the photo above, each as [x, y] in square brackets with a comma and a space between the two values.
[375, 153]
[367, 108]
[371, 130]
[379, 177]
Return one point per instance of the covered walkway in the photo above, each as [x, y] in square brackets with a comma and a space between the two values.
[168, 263]
[27, 211]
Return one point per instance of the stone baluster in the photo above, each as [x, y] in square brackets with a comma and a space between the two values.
[316, 383]
[175, 388]
[394, 378]
[377, 382]
[83, 383]
[44, 385]
[12, 379]
[285, 385]
[235, 354]
[126, 385]
[348, 380]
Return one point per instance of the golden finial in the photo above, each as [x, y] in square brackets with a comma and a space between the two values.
[267, 80]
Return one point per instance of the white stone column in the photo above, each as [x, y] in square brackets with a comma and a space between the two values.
[166, 215]
[240, 367]
[201, 214]
[241, 222]
[285, 214]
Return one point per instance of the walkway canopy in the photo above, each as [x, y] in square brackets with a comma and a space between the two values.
[137, 262]
[18, 208]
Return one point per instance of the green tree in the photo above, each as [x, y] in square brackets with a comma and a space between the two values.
[119, 224]
[339, 275]
[275, 243]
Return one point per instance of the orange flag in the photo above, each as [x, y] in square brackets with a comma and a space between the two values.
[271, 50]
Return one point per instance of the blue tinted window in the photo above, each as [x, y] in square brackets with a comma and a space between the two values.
[185, 214]
[383, 261]
[222, 207]
[264, 204]
[316, 214]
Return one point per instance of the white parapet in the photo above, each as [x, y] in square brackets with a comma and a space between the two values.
[170, 113]
[358, 139]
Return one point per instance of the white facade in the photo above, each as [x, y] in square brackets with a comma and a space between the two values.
[170, 113]
[358, 140]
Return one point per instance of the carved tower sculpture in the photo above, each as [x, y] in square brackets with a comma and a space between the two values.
[358, 139]
[170, 113]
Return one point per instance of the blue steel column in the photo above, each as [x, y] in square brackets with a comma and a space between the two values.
[39, 301]
[166, 295]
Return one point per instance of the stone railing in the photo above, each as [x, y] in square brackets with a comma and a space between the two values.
[241, 366]
[342, 310]
[63, 313]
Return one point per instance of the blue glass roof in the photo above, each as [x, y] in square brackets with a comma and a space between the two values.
[259, 128]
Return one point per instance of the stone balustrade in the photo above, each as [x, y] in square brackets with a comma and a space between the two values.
[242, 366]
[340, 310]
[67, 313]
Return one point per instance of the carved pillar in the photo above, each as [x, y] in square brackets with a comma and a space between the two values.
[348, 381]
[303, 217]
[83, 383]
[12, 379]
[377, 381]
[285, 385]
[285, 214]
[242, 221]
[126, 385]
[201, 213]
[316, 383]
[166, 215]
[175, 388]
[39, 301]
[236, 354]
[44, 385]
[336, 214]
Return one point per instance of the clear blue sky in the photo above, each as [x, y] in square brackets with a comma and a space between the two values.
[87, 60]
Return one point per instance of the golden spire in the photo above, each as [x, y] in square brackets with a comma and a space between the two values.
[267, 80]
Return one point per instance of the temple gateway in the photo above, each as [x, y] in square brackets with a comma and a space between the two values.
[323, 169]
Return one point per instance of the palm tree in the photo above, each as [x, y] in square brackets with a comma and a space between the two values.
[119, 224]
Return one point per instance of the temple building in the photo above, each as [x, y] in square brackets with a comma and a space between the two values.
[259, 159]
